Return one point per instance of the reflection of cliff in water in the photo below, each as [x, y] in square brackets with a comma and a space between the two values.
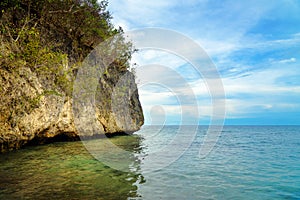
[69, 171]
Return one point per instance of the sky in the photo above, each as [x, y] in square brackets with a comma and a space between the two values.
[254, 44]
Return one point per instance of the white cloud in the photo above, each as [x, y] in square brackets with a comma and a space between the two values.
[246, 94]
[137, 12]
[146, 57]
[218, 48]
[291, 60]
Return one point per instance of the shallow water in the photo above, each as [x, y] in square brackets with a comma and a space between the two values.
[248, 162]
[64, 170]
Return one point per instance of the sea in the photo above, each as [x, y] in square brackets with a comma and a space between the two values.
[160, 162]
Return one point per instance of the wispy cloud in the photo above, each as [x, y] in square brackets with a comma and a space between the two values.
[291, 60]
[254, 44]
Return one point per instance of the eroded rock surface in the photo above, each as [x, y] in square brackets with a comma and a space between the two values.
[31, 115]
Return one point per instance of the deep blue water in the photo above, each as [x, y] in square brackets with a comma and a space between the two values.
[247, 162]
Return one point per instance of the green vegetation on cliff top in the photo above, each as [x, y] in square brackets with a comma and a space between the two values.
[50, 39]
[42, 34]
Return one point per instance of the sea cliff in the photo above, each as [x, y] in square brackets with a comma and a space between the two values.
[52, 117]
[43, 46]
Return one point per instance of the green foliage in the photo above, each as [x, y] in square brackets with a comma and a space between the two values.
[27, 50]
[48, 35]
[51, 38]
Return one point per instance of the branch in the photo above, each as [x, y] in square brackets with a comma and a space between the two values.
[25, 23]
[62, 11]
[23, 27]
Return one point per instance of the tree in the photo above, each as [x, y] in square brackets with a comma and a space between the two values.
[50, 38]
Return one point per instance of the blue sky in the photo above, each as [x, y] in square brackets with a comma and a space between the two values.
[255, 46]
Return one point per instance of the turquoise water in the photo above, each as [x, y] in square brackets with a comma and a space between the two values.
[248, 162]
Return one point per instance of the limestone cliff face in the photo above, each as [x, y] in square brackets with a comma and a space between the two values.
[31, 115]
[43, 48]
